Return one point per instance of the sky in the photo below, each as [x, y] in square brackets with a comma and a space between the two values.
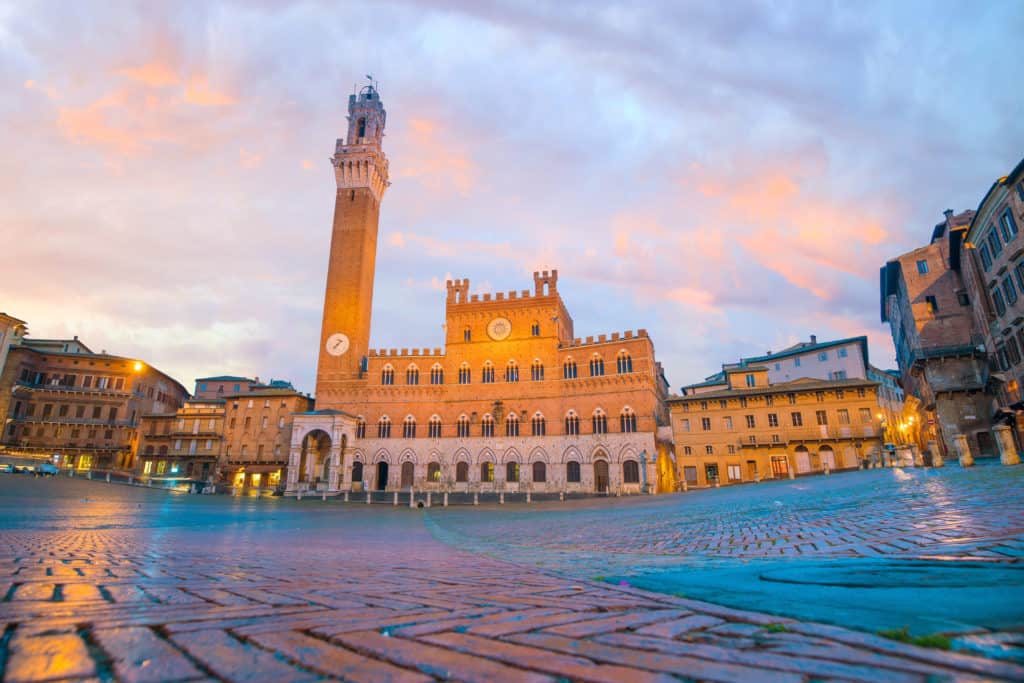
[728, 176]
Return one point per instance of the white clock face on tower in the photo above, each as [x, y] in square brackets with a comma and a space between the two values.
[499, 328]
[337, 344]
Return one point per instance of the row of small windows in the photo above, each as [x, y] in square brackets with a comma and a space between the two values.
[796, 417]
[1004, 294]
[770, 400]
[539, 470]
[623, 364]
[998, 235]
[538, 425]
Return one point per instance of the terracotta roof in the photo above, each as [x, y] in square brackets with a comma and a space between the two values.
[803, 384]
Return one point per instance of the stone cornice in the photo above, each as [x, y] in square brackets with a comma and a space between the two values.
[361, 166]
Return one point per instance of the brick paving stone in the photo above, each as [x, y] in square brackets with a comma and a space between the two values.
[140, 656]
[371, 593]
[613, 623]
[237, 661]
[575, 668]
[335, 661]
[671, 629]
[436, 661]
[691, 667]
[47, 657]
[806, 666]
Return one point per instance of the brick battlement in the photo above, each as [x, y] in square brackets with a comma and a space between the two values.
[405, 353]
[606, 339]
[545, 284]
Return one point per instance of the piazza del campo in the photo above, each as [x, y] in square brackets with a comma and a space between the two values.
[532, 499]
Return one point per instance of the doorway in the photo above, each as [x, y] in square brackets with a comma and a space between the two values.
[803, 459]
[382, 476]
[601, 476]
[407, 474]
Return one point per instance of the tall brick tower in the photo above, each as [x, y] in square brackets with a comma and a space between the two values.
[361, 171]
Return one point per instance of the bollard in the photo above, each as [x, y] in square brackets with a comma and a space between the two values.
[561, 496]
[527, 496]
[501, 498]
[298, 495]
[88, 475]
[367, 496]
[445, 499]
[428, 498]
[412, 495]
[131, 480]
[717, 484]
[323, 496]
[396, 499]
[108, 477]
[686, 487]
[828, 470]
[476, 500]
[963, 449]
[792, 474]
[346, 496]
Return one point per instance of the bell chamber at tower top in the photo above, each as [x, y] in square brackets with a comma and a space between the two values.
[359, 162]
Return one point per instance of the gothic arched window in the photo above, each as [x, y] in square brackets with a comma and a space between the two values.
[599, 422]
[487, 374]
[487, 471]
[434, 471]
[540, 472]
[572, 423]
[511, 471]
[360, 427]
[464, 373]
[437, 374]
[462, 472]
[539, 425]
[624, 362]
[434, 429]
[463, 427]
[387, 375]
[569, 369]
[572, 472]
[412, 375]
[409, 427]
[596, 366]
[512, 371]
[627, 420]
[537, 371]
[512, 425]
[362, 128]
[384, 427]
[487, 426]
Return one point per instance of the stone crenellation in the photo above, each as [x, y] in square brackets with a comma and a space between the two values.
[545, 285]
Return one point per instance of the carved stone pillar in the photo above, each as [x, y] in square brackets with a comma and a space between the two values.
[332, 469]
[294, 457]
[1007, 449]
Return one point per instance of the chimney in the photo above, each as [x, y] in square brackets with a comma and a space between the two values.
[814, 339]
[948, 213]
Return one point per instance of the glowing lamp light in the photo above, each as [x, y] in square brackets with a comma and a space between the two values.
[137, 366]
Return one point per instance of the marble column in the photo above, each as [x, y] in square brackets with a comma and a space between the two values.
[1007, 449]
[963, 450]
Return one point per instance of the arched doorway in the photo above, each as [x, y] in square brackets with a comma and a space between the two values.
[827, 457]
[803, 459]
[408, 469]
[382, 476]
[601, 476]
[314, 464]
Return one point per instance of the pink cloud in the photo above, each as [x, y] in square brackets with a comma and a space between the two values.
[436, 158]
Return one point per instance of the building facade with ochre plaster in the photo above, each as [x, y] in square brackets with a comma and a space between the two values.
[513, 402]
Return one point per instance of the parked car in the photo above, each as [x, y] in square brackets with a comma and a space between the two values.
[7, 468]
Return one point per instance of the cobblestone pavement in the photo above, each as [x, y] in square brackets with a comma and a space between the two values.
[103, 582]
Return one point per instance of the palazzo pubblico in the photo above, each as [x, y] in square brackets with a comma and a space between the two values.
[513, 402]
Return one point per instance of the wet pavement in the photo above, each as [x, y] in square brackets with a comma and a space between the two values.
[110, 582]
